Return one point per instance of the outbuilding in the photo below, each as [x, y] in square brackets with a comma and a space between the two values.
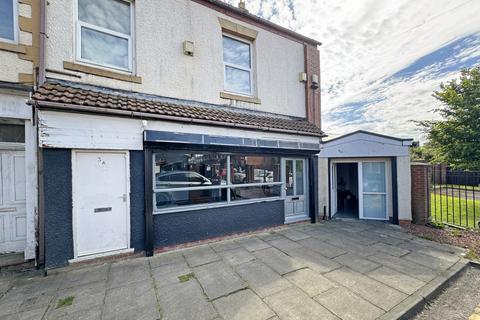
[368, 177]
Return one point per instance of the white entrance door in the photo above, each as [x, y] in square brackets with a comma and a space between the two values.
[101, 208]
[373, 190]
[12, 201]
[295, 177]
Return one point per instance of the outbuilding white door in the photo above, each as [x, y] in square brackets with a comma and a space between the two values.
[12, 201]
[373, 190]
[101, 208]
[295, 177]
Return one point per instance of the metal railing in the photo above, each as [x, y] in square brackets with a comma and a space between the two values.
[454, 197]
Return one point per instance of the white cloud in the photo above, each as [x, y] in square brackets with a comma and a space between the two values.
[365, 42]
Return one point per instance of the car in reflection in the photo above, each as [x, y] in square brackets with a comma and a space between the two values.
[178, 179]
[182, 179]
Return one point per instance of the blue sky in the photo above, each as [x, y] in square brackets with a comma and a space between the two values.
[381, 60]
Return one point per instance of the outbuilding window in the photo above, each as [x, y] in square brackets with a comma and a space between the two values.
[104, 33]
[237, 61]
[191, 179]
[8, 20]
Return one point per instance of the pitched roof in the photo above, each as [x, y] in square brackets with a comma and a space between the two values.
[103, 100]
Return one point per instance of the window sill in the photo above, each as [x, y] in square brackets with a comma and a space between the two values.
[12, 47]
[231, 96]
[101, 72]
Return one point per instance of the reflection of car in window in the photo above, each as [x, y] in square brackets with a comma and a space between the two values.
[180, 179]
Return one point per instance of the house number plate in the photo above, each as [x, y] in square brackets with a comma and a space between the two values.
[106, 209]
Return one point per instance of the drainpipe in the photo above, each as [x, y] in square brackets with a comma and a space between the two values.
[41, 58]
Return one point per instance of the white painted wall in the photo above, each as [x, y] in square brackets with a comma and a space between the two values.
[166, 71]
[15, 107]
[87, 131]
[404, 188]
[323, 185]
[364, 145]
[10, 63]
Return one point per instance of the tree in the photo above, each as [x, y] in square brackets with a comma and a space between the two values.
[455, 139]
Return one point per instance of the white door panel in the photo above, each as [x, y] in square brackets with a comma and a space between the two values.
[372, 176]
[12, 201]
[101, 207]
[295, 177]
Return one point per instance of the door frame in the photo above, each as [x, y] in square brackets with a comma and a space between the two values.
[359, 161]
[126, 153]
[306, 191]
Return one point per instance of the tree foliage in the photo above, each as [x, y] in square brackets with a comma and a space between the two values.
[455, 139]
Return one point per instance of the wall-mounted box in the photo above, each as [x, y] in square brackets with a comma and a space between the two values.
[188, 48]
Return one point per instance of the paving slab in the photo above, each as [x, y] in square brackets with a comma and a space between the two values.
[356, 263]
[347, 305]
[135, 301]
[128, 271]
[168, 274]
[375, 292]
[237, 256]
[322, 247]
[218, 279]
[243, 305]
[397, 280]
[389, 249]
[185, 301]
[224, 245]
[278, 261]
[261, 279]
[253, 244]
[85, 297]
[294, 235]
[412, 269]
[436, 263]
[294, 304]
[200, 255]
[166, 258]
[269, 236]
[310, 281]
[351, 246]
[84, 275]
[314, 260]
[284, 244]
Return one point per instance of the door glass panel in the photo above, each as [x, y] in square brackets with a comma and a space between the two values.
[289, 177]
[299, 177]
[373, 177]
[374, 206]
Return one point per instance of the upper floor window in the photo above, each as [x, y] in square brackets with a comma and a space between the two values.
[104, 33]
[8, 20]
[237, 61]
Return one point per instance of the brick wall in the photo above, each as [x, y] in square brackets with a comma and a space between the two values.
[312, 66]
[420, 192]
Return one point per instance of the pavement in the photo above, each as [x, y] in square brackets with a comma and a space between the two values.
[332, 270]
[459, 300]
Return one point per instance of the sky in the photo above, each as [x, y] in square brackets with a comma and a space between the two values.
[381, 60]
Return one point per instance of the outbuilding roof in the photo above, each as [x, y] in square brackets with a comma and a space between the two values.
[81, 98]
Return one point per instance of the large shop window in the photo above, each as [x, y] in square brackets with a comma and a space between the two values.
[183, 178]
[104, 33]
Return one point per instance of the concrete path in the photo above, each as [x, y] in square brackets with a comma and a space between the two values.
[333, 270]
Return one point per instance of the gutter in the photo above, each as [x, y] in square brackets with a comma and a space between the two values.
[41, 60]
[144, 115]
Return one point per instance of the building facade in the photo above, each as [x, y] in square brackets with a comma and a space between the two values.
[202, 124]
[19, 60]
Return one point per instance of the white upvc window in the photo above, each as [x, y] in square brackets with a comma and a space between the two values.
[8, 21]
[105, 33]
[237, 65]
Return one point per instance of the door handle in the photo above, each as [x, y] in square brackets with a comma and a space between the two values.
[124, 197]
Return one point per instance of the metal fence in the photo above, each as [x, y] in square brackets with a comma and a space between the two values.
[455, 197]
